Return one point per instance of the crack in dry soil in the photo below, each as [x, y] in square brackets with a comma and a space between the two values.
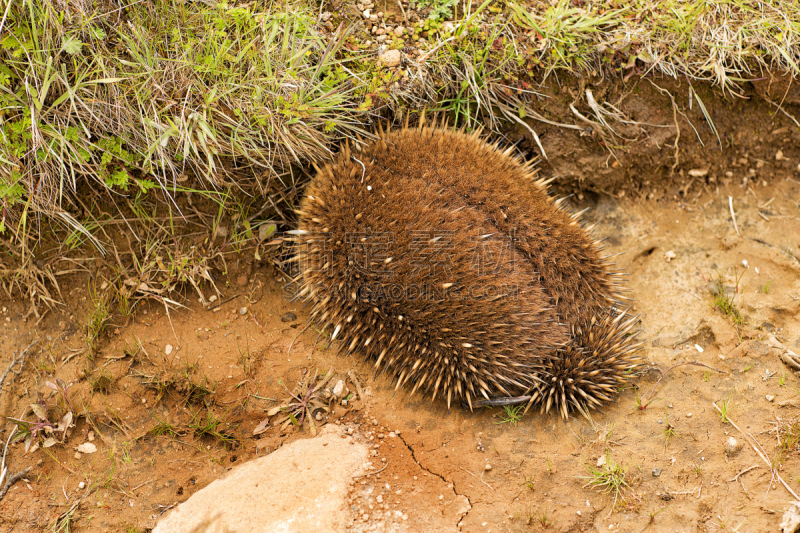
[450, 484]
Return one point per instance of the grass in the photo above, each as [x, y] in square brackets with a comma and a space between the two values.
[190, 109]
[724, 302]
[669, 430]
[511, 414]
[724, 406]
[609, 478]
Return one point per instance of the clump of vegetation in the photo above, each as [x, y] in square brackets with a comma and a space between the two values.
[142, 125]
[511, 414]
[724, 302]
[609, 478]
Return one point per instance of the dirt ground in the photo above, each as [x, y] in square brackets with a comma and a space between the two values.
[171, 401]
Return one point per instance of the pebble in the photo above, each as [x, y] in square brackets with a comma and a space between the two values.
[288, 317]
[779, 155]
[243, 311]
[669, 256]
[104, 286]
[390, 58]
[81, 485]
[168, 349]
[656, 472]
[770, 397]
[379, 499]
[688, 415]
[366, 13]
[487, 467]
[338, 389]
[732, 447]
[399, 31]
[212, 298]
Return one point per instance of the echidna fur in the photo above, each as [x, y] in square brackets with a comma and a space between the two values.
[554, 329]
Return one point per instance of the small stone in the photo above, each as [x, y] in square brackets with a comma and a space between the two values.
[318, 417]
[380, 39]
[732, 447]
[87, 447]
[669, 256]
[656, 472]
[390, 58]
[288, 317]
[168, 349]
[392, 434]
[770, 398]
[338, 389]
[104, 285]
[399, 31]
[212, 298]
[81, 485]
[379, 499]
[688, 415]
[760, 163]
[698, 172]
[601, 461]
[366, 14]
[487, 467]
[779, 155]
[243, 311]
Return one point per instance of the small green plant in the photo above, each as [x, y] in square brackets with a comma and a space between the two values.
[527, 481]
[211, 426]
[541, 517]
[768, 286]
[724, 406]
[162, 428]
[697, 469]
[669, 429]
[511, 414]
[98, 317]
[609, 478]
[782, 379]
[725, 303]
[706, 375]
[748, 367]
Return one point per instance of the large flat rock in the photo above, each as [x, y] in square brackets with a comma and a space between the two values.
[300, 487]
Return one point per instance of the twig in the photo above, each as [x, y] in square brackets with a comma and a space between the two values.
[375, 472]
[479, 479]
[403, 10]
[733, 215]
[353, 378]
[760, 454]
[20, 358]
[746, 470]
[13, 479]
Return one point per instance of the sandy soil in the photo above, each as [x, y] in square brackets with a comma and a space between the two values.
[230, 366]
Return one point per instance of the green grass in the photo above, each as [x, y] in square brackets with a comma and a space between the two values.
[724, 407]
[725, 302]
[609, 478]
[107, 124]
[511, 414]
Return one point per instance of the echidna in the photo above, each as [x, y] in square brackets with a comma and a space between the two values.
[443, 259]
